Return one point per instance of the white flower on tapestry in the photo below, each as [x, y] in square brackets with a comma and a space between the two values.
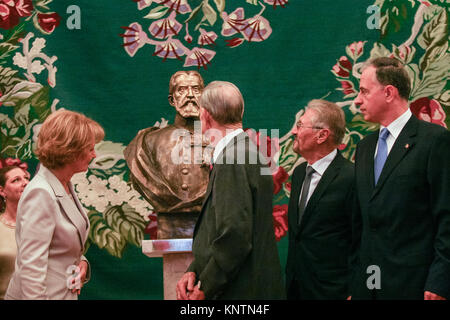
[34, 61]
[178, 22]
[95, 192]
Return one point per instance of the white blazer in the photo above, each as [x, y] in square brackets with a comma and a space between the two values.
[51, 230]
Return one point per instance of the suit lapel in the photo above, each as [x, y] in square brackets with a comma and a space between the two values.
[403, 144]
[367, 161]
[229, 149]
[328, 176]
[83, 233]
[295, 196]
[70, 207]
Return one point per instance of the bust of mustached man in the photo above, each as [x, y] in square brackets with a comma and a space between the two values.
[164, 165]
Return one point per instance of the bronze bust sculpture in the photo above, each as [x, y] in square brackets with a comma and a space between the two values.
[166, 164]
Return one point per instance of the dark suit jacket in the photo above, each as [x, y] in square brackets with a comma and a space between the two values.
[319, 247]
[405, 219]
[234, 248]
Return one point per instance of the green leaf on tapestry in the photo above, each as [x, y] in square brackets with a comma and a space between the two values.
[384, 22]
[288, 157]
[254, 2]
[393, 14]
[445, 3]
[359, 124]
[444, 98]
[194, 13]
[157, 13]
[434, 36]
[43, 3]
[210, 13]
[32, 93]
[105, 237]
[220, 4]
[109, 160]
[10, 42]
[434, 79]
[350, 149]
[379, 50]
[19, 93]
[8, 79]
[414, 74]
[127, 222]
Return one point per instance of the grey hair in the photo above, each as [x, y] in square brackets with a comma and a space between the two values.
[223, 101]
[328, 115]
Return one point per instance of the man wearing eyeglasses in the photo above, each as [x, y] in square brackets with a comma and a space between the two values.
[320, 207]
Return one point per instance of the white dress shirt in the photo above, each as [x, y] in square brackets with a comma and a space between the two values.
[320, 166]
[395, 128]
[223, 143]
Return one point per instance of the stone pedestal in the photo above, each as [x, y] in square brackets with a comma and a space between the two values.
[177, 256]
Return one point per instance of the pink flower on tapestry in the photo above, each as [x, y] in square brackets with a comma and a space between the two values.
[276, 3]
[355, 50]
[152, 227]
[279, 177]
[403, 53]
[134, 38]
[24, 7]
[170, 49]
[48, 21]
[206, 38]
[180, 6]
[13, 162]
[199, 57]
[233, 22]
[342, 68]
[12, 10]
[232, 43]
[164, 28]
[288, 186]
[280, 220]
[256, 29]
[348, 88]
[201, 27]
[143, 3]
[429, 110]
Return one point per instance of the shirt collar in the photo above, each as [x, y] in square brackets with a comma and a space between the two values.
[322, 164]
[397, 125]
[223, 143]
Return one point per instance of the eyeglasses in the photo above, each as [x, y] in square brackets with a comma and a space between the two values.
[300, 125]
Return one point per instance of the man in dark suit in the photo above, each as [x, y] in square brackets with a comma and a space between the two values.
[234, 248]
[320, 207]
[402, 175]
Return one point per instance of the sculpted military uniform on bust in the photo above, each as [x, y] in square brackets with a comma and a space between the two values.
[166, 164]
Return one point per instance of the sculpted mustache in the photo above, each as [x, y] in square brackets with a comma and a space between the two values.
[190, 101]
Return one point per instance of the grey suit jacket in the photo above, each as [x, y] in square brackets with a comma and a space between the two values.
[51, 230]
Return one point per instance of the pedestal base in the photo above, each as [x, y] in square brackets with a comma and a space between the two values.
[174, 266]
[177, 256]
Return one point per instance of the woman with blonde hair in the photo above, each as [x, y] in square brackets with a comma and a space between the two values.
[13, 180]
[52, 226]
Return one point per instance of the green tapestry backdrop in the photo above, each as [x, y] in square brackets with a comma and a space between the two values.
[112, 61]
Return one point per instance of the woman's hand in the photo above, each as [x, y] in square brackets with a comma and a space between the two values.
[79, 280]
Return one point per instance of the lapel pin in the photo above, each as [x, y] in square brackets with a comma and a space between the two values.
[407, 146]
